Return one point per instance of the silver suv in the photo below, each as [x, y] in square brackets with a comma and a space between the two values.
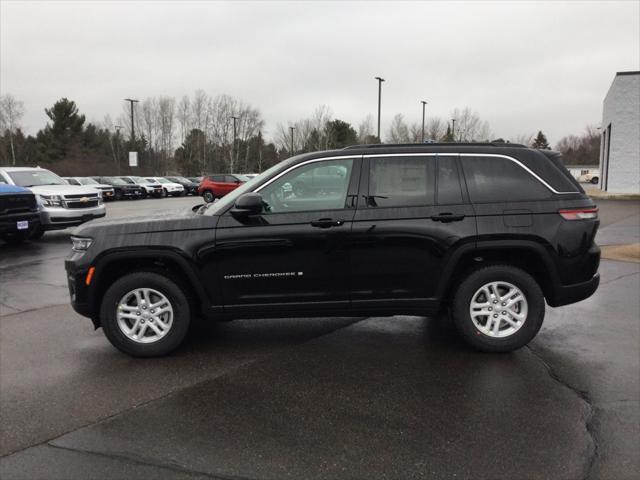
[61, 205]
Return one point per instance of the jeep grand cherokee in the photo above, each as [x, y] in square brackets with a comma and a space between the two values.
[489, 231]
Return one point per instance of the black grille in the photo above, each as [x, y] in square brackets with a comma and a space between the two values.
[17, 203]
[88, 195]
[89, 204]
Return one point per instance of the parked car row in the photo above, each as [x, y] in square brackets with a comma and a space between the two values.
[35, 200]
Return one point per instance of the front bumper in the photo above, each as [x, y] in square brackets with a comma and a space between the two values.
[53, 218]
[9, 222]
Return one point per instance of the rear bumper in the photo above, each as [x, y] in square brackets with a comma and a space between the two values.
[568, 294]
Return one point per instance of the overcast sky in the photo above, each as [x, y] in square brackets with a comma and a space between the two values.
[522, 66]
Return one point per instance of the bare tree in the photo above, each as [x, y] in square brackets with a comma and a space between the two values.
[166, 115]
[366, 130]
[469, 127]
[399, 131]
[184, 117]
[435, 129]
[11, 112]
[523, 139]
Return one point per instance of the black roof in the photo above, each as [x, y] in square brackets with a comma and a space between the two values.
[435, 144]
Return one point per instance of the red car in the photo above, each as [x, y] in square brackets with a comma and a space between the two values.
[216, 186]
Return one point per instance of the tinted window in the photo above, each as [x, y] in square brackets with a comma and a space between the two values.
[217, 178]
[310, 187]
[449, 190]
[495, 179]
[230, 179]
[401, 181]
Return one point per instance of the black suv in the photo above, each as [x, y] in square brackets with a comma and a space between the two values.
[490, 231]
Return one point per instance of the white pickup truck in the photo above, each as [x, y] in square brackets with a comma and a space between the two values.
[61, 205]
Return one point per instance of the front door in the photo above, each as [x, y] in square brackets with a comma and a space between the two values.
[295, 254]
[413, 216]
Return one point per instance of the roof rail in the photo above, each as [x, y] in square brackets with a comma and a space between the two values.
[447, 144]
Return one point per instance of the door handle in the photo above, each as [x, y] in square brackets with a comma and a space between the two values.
[447, 217]
[326, 223]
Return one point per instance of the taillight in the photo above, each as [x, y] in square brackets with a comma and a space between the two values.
[579, 213]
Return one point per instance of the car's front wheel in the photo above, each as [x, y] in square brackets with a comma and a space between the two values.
[498, 308]
[208, 196]
[145, 314]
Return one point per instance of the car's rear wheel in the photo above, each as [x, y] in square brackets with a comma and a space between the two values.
[208, 196]
[498, 308]
[145, 314]
[594, 180]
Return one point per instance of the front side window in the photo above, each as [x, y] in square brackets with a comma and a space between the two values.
[217, 178]
[401, 181]
[497, 179]
[315, 186]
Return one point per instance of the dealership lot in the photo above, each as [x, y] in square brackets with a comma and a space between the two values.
[398, 397]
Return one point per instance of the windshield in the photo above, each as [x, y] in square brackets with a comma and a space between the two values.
[87, 181]
[153, 181]
[139, 180]
[127, 180]
[163, 180]
[116, 181]
[34, 178]
[230, 198]
[243, 178]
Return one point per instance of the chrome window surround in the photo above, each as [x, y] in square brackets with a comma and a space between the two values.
[448, 154]
[293, 167]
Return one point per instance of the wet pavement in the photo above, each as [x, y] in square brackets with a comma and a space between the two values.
[397, 397]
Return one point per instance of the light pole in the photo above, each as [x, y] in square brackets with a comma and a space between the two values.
[453, 129]
[233, 148]
[424, 103]
[133, 132]
[292, 129]
[380, 80]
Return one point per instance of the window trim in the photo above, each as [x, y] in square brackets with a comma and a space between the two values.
[496, 155]
[354, 173]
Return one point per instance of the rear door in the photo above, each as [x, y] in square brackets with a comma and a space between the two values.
[414, 215]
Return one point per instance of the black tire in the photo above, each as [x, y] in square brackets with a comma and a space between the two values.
[594, 180]
[118, 195]
[208, 196]
[172, 291]
[37, 234]
[15, 238]
[498, 273]
[165, 193]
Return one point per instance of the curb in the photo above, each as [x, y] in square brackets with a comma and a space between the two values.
[599, 195]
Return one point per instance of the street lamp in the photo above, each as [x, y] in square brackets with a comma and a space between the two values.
[233, 148]
[133, 132]
[424, 103]
[292, 129]
[453, 129]
[380, 80]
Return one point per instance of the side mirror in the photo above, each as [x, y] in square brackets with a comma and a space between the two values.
[247, 204]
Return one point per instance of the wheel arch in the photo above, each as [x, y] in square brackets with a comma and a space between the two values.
[529, 255]
[116, 264]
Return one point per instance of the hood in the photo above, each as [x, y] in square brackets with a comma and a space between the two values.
[63, 190]
[12, 189]
[181, 219]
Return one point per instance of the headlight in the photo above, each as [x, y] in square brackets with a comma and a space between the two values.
[81, 244]
[51, 200]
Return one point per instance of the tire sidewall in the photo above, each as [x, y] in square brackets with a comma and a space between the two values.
[156, 281]
[515, 276]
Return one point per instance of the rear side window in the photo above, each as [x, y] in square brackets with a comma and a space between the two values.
[217, 178]
[496, 179]
[401, 181]
[449, 191]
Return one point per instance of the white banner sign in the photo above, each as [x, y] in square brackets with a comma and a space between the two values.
[133, 159]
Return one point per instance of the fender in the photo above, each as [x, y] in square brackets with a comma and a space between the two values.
[498, 244]
[155, 253]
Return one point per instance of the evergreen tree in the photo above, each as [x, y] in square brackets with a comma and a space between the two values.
[540, 142]
[448, 137]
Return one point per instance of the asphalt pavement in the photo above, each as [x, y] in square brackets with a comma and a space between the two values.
[398, 397]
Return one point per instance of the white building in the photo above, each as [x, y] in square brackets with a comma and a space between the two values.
[620, 142]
